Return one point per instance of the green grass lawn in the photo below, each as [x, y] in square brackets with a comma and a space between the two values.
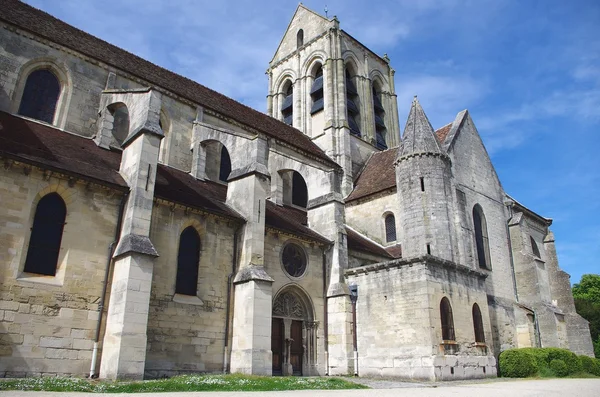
[181, 383]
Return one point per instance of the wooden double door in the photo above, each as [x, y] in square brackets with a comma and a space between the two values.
[279, 346]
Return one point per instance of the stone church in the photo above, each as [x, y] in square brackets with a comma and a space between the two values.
[150, 226]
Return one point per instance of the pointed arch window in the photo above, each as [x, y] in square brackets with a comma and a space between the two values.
[379, 116]
[447, 320]
[534, 247]
[478, 324]
[188, 259]
[481, 238]
[300, 38]
[40, 96]
[46, 235]
[390, 228]
[316, 92]
[287, 108]
[225, 165]
[352, 108]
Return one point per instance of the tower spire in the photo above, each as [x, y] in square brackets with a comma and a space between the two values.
[419, 136]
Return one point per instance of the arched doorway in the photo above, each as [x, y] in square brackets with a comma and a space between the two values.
[293, 333]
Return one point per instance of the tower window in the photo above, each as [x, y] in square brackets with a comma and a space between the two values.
[534, 248]
[390, 228]
[379, 116]
[447, 320]
[287, 108]
[478, 324]
[481, 237]
[316, 92]
[40, 96]
[188, 259]
[300, 38]
[352, 108]
[46, 235]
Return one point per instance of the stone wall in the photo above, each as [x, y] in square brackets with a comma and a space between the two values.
[47, 323]
[368, 216]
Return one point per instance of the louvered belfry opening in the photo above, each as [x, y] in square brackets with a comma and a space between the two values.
[352, 101]
[287, 107]
[46, 235]
[40, 96]
[447, 320]
[316, 92]
[379, 115]
[188, 259]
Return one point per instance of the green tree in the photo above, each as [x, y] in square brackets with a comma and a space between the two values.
[587, 304]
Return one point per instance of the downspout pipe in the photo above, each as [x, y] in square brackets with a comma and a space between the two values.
[109, 261]
[234, 259]
[353, 299]
[325, 316]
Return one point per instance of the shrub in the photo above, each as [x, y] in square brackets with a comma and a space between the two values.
[568, 357]
[559, 368]
[540, 354]
[590, 365]
[517, 363]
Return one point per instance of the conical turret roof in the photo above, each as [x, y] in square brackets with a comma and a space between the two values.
[419, 136]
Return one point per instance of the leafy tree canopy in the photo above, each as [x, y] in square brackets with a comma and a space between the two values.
[588, 288]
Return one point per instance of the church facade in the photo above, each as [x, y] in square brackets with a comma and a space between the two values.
[151, 226]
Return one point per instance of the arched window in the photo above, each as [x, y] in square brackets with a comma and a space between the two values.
[481, 237]
[225, 165]
[390, 228]
[534, 248]
[287, 108]
[352, 108]
[120, 115]
[299, 190]
[46, 235]
[188, 259]
[478, 324]
[40, 96]
[300, 38]
[379, 115]
[447, 320]
[316, 92]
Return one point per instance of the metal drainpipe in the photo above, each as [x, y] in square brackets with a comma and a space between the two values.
[227, 308]
[325, 317]
[353, 299]
[111, 250]
[510, 252]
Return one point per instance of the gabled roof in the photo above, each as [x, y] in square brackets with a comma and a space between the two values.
[42, 24]
[378, 174]
[291, 220]
[358, 242]
[418, 134]
[442, 133]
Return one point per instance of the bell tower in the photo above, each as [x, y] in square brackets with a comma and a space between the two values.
[328, 85]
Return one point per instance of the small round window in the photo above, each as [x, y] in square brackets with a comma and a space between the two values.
[294, 260]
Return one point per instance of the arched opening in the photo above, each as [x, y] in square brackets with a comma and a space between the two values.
[481, 237]
[165, 126]
[188, 259]
[293, 333]
[40, 96]
[225, 165]
[352, 104]
[299, 190]
[300, 38]
[390, 228]
[379, 116]
[447, 320]
[287, 106]
[120, 115]
[46, 235]
[478, 324]
[534, 247]
[316, 92]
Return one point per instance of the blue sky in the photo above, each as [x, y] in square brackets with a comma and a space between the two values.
[528, 71]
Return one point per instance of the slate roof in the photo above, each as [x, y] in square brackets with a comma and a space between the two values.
[42, 24]
[358, 242]
[378, 174]
[42, 145]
